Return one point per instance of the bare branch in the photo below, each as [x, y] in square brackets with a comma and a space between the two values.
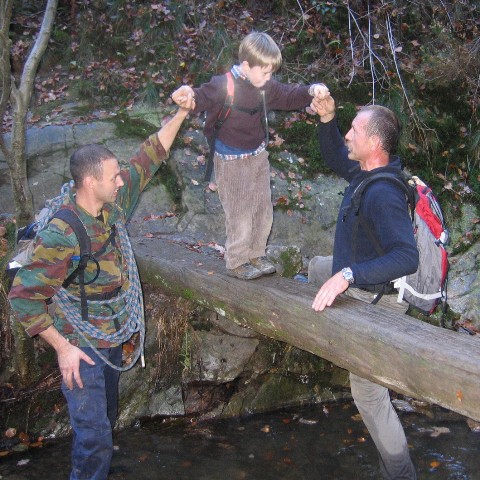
[415, 118]
[372, 55]
[41, 43]
[302, 15]
[372, 65]
[5, 18]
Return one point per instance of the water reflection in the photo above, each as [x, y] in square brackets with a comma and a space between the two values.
[310, 443]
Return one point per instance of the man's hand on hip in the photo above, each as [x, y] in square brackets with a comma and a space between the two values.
[69, 358]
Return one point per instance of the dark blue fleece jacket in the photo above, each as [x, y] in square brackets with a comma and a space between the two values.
[385, 211]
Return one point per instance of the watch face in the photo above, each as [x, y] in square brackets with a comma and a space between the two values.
[347, 275]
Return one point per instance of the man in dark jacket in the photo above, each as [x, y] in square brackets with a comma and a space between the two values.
[357, 267]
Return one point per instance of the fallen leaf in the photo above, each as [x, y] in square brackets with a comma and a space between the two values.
[437, 431]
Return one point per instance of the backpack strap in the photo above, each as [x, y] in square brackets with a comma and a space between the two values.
[222, 116]
[397, 179]
[71, 218]
[227, 106]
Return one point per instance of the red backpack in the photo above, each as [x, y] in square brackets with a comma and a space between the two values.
[427, 287]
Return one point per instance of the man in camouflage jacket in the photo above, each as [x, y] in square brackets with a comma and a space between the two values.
[104, 195]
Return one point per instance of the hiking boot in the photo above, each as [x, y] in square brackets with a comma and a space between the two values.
[246, 272]
[264, 265]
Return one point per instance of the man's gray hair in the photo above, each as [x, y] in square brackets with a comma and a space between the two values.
[384, 124]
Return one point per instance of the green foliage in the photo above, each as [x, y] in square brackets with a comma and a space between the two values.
[288, 260]
[323, 8]
[166, 176]
[186, 353]
[127, 126]
[301, 138]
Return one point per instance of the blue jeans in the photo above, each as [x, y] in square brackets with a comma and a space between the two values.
[93, 411]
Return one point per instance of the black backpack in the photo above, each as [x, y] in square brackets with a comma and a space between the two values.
[25, 244]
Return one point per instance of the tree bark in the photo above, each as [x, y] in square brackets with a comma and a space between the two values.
[20, 100]
[5, 43]
[398, 351]
[20, 96]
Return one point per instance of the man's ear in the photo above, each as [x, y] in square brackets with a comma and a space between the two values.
[375, 142]
[88, 182]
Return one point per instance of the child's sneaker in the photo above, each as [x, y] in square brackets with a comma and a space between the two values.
[264, 265]
[246, 272]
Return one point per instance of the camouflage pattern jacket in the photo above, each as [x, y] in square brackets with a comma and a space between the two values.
[55, 246]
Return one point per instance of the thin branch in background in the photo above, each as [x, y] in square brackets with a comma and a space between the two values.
[415, 118]
[448, 14]
[352, 73]
[366, 44]
[302, 16]
[372, 66]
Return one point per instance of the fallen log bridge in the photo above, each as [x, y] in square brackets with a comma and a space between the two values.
[409, 356]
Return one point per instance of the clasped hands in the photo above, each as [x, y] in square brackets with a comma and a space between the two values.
[184, 97]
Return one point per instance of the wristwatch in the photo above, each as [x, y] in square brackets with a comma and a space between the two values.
[348, 275]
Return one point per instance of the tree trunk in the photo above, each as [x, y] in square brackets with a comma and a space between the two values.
[20, 97]
[20, 100]
[5, 43]
[24, 355]
[407, 355]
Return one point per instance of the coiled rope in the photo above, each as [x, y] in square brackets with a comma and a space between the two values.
[132, 298]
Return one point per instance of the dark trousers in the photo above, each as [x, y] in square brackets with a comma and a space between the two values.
[93, 411]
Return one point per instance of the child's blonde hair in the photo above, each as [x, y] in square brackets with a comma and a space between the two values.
[259, 49]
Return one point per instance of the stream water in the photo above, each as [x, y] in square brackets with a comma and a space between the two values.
[322, 443]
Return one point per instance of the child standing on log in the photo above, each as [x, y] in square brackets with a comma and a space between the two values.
[242, 170]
